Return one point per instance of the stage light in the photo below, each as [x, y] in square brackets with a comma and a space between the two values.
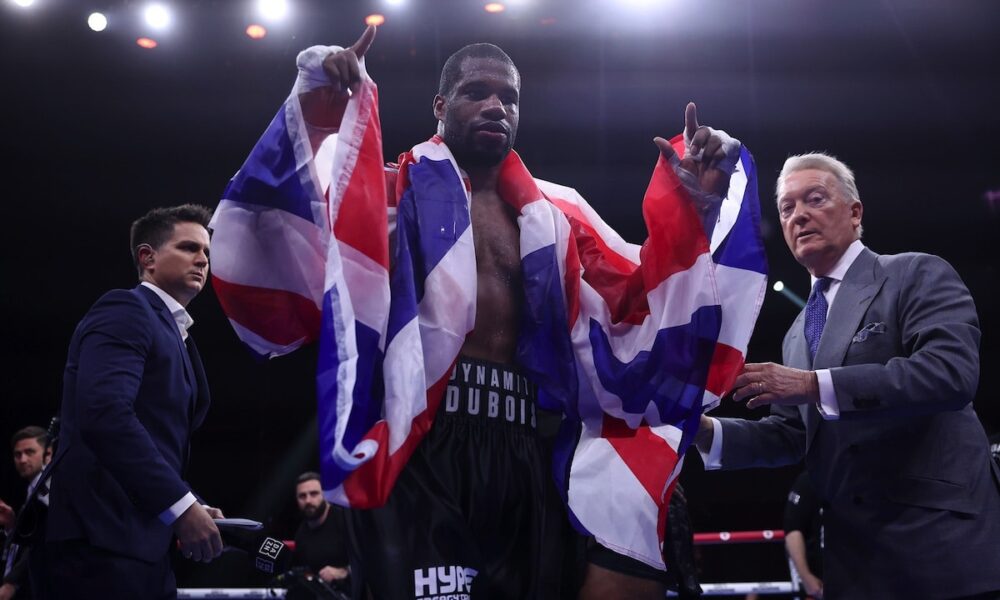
[256, 32]
[779, 286]
[395, 2]
[494, 7]
[24, 3]
[157, 16]
[374, 19]
[97, 22]
[146, 43]
[272, 10]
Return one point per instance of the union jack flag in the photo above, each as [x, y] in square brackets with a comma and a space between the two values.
[629, 342]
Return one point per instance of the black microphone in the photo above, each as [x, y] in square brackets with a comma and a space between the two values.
[269, 554]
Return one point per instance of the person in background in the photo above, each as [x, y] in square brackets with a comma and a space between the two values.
[804, 534]
[32, 452]
[321, 540]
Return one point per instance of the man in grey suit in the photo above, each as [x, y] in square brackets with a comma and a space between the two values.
[879, 373]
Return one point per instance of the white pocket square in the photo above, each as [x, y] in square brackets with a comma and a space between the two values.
[867, 331]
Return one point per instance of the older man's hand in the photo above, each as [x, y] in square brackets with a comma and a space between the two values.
[770, 383]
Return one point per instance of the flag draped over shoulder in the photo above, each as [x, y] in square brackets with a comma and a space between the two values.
[629, 342]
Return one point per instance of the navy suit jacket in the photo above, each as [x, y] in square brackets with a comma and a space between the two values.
[912, 499]
[133, 394]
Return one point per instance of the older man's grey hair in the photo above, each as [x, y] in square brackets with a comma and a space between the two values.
[822, 162]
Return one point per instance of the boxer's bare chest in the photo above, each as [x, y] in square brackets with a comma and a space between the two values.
[499, 287]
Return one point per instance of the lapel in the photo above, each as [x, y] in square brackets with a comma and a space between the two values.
[167, 320]
[860, 286]
[796, 350]
[796, 355]
[202, 398]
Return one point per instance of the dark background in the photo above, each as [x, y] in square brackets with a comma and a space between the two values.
[97, 130]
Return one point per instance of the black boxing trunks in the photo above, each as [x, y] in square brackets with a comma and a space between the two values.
[475, 513]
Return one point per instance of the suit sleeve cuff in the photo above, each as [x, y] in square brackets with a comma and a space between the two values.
[713, 458]
[828, 407]
[177, 509]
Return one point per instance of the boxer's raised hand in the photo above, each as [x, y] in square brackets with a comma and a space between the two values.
[710, 155]
[342, 67]
[326, 75]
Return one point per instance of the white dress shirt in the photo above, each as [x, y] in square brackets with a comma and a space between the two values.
[184, 321]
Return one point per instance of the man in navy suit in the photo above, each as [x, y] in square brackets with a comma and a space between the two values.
[876, 391]
[134, 391]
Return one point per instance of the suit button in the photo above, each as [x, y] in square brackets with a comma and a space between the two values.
[858, 500]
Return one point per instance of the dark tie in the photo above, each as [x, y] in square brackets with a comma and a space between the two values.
[816, 315]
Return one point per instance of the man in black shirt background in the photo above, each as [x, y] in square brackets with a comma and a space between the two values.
[321, 540]
[804, 534]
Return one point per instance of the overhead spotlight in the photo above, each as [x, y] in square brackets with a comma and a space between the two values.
[779, 285]
[256, 32]
[395, 2]
[157, 16]
[273, 10]
[494, 7]
[375, 19]
[147, 43]
[24, 3]
[97, 22]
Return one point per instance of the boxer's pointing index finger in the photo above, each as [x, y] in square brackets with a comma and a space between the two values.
[690, 120]
[361, 46]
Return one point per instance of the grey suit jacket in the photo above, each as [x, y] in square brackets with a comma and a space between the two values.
[911, 497]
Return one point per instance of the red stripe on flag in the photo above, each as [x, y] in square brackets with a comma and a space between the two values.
[582, 226]
[675, 242]
[647, 455]
[726, 365]
[676, 236]
[622, 290]
[516, 185]
[571, 284]
[278, 316]
[361, 221]
[369, 485]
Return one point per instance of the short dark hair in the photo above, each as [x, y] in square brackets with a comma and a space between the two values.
[31, 432]
[309, 476]
[155, 227]
[452, 70]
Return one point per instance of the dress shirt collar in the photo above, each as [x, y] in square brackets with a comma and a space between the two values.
[846, 260]
[178, 312]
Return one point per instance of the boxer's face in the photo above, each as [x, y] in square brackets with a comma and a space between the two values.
[480, 114]
[817, 218]
[309, 496]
